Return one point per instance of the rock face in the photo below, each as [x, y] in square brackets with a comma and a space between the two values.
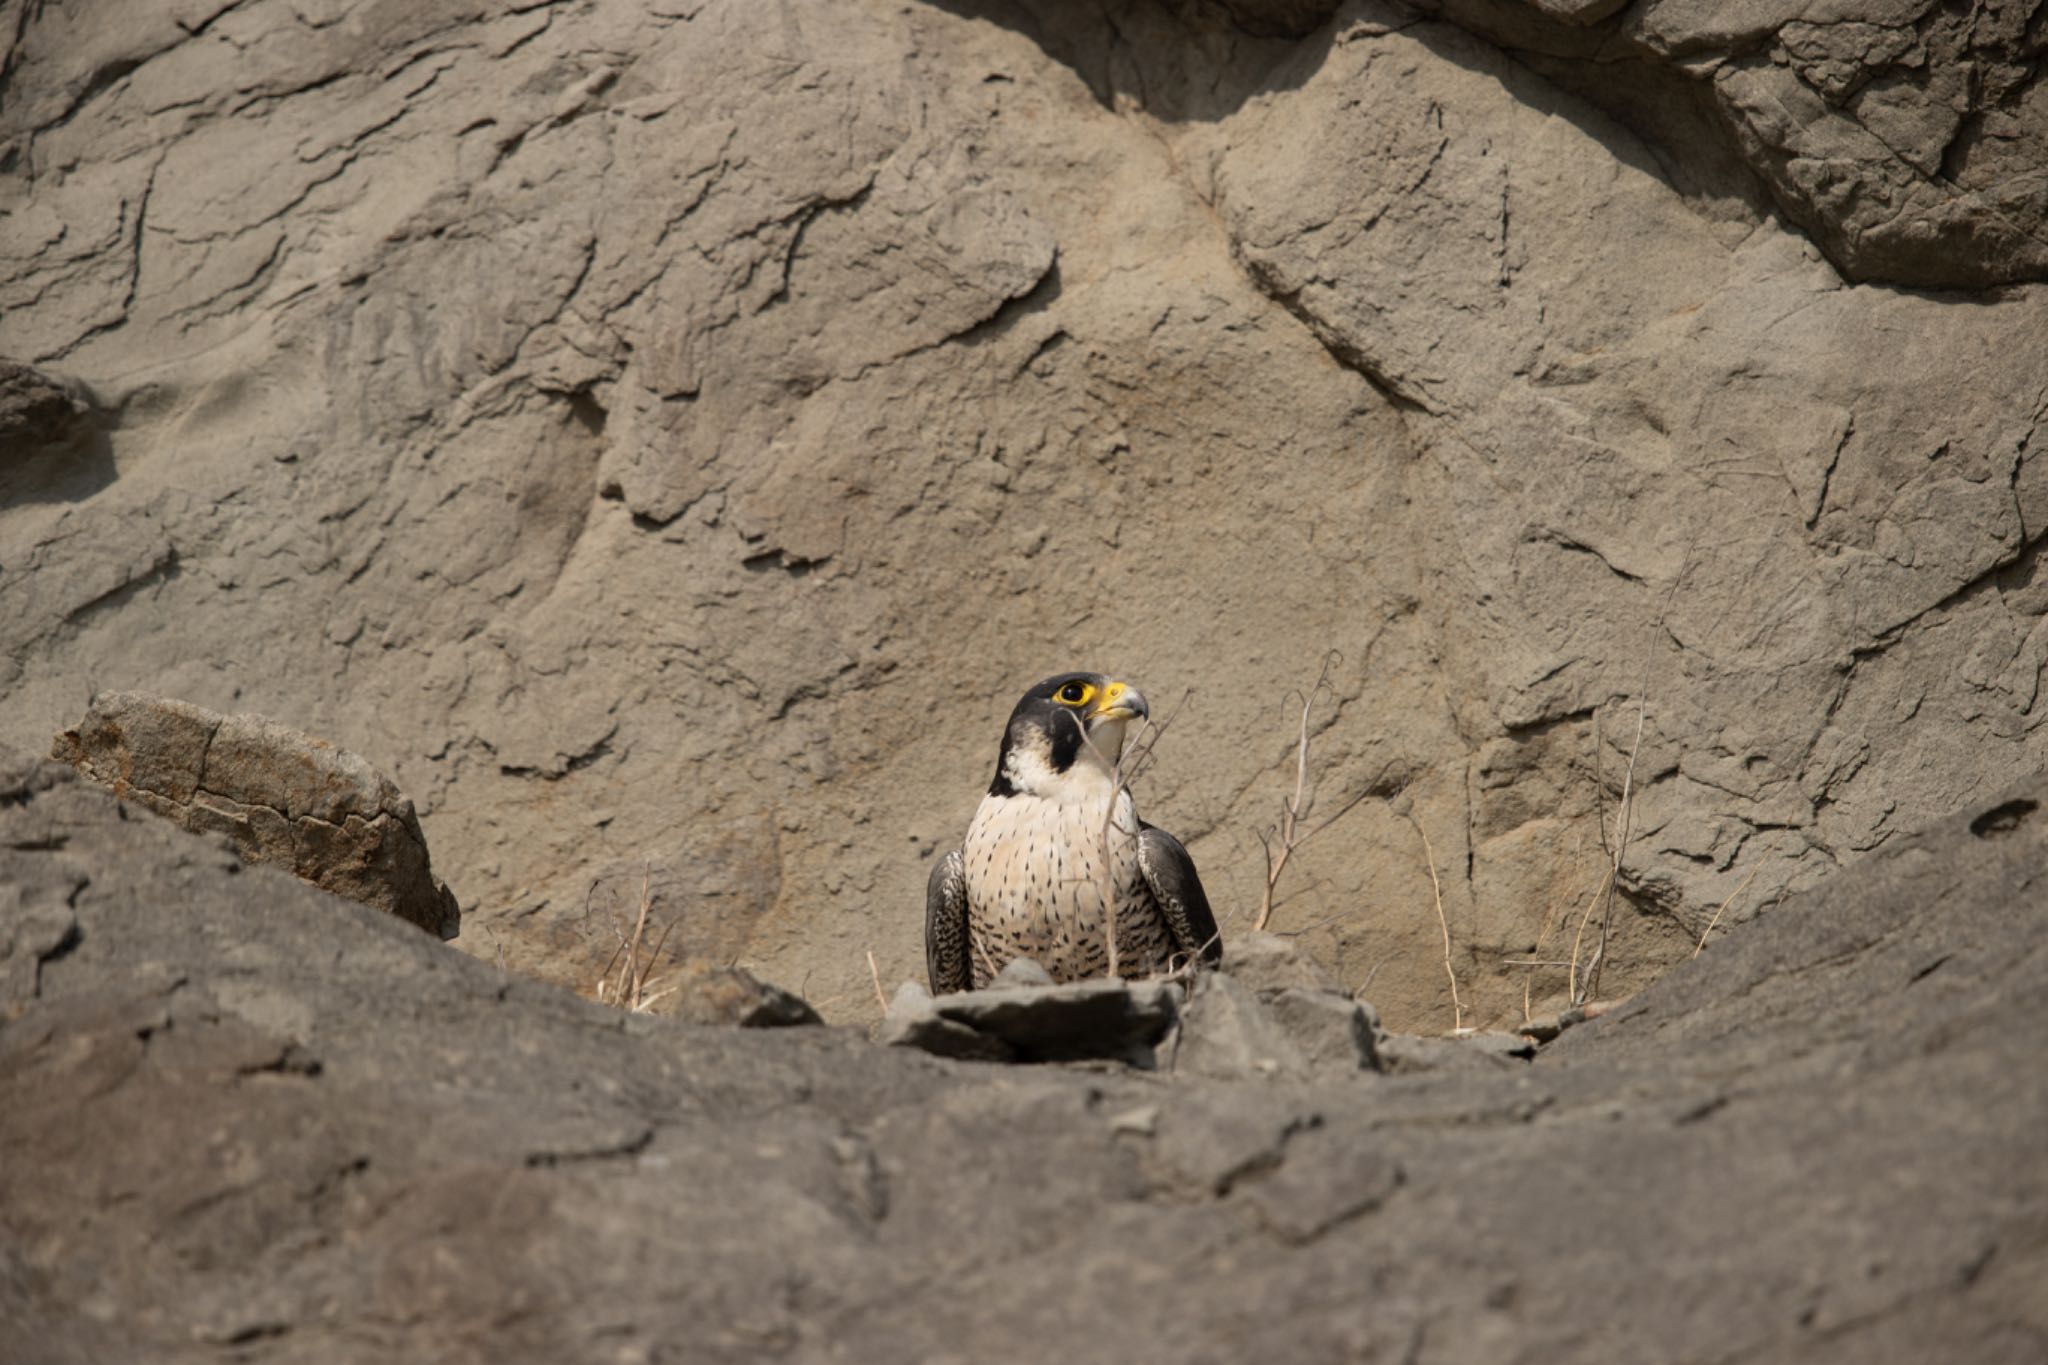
[279, 796]
[240, 1116]
[1908, 137]
[659, 434]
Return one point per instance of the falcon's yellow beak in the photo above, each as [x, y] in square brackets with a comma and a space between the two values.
[1120, 701]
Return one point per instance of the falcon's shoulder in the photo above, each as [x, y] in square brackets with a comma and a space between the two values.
[1170, 874]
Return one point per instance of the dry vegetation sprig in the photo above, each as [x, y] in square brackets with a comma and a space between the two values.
[627, 987]
[1580, 989]
[1132, 759]
[1295, 807]
[1624, 827]
[875, 975]
[1444, 923]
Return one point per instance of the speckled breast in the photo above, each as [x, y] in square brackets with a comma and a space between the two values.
[1034, 889]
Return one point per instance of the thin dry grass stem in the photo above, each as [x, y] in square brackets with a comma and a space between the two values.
[1572, 981]
[1443, 923]
[1131, 760]
[1334, 917]
[875, 975]
[1295, 808]
[1187, 970]
[1599, 782]
[1374, 971]
[1292, 808]
[1701, 946]
[1583, 985]
[497, 950]
[1626, 822]
[1580, 988]
[1542, 934]
[634, 959]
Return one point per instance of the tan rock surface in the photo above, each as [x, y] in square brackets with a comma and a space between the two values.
[277, 795]
[670, 435]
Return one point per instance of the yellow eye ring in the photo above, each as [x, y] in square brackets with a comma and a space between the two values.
[1075, 694]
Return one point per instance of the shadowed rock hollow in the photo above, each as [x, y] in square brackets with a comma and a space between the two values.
[670, 436]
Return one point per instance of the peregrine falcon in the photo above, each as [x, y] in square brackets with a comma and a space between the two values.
[1028, 880]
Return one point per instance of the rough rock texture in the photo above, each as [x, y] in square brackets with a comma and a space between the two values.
[1230, 1031]
[911, 1020]
[670, 435]
[705, 993]
[1277, 1021]
[1909, 137]
[281, 797]
[1273, 1010]
[36, 411]
[1039, 1022]
[242, 1119]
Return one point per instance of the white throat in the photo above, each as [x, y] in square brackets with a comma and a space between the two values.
[1090, 779]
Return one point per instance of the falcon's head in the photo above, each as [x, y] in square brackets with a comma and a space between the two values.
[1065, 736]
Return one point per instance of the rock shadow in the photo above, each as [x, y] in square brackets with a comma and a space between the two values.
[53, 440]
[69, 470]
[1203, 62]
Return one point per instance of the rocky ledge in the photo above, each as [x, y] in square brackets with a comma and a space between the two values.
[243, 1119]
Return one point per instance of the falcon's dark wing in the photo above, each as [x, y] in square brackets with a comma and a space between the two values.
[945, 925]
[1170, 873]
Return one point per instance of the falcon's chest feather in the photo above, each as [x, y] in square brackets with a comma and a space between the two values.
[1034, 871]
[1026, 853]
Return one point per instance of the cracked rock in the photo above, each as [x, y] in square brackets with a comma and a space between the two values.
[279, 795]
[237, 1111]
[747, 337]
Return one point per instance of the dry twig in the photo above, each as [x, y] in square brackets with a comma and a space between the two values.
[1581, 988]
[1444, 923]
[1131, 760]
[1295, 808]
[628, 989]
[875, 975]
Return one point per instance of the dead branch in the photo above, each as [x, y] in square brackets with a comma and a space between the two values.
[1581, 987]
[1443, 922]
[1295, 808]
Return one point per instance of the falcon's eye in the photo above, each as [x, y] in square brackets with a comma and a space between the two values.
[1075, 693]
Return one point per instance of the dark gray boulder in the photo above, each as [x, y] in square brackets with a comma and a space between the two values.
[243, 1119]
